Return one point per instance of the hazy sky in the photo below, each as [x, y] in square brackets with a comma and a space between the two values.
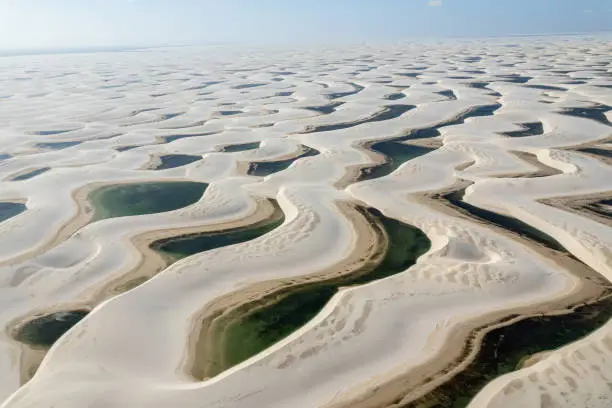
[26, 24]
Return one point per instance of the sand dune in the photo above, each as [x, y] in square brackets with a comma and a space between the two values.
[507, 127]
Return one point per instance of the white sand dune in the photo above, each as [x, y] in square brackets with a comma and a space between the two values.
[102, 119]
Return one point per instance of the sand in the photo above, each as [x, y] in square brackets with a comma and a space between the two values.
[367, 249]
[381, 344]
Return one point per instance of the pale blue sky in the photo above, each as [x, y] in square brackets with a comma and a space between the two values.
[27, 24]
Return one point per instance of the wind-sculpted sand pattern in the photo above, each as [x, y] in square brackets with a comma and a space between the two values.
[498, 151]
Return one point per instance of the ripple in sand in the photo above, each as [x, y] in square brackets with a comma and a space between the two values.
[254, 327]
[182, 246]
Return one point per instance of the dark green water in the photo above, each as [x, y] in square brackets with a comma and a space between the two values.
[395, 96]
[139, 111]
[602, 208]
[263, 169]
[504, 221]
[410, 74]
[448, 94]
[478, 85]
[245, 86]
[53, 132]
[186, 245]
[46, 330]
[172, 138]
[389, 112]
[144, 198]
[597, 113]
[9, 210]
[517, 79]
[433, 131]
[597, 152]
[396, 154]
[126, 148]
[253, 328]
[31, 174]
[504, 349]
[530, 129]
[57, 145]
[203, 85]
[168, 116]
[171, 161]
[326, 109]
[356, 89]
[240, 147]
[546, 87]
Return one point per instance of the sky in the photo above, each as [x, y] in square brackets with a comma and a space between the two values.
[62, 24]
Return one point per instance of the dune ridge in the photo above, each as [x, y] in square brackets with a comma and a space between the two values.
[508, 127]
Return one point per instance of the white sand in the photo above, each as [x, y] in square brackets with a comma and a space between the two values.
[133, 350]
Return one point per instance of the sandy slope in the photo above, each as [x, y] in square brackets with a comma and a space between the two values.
[376, 345]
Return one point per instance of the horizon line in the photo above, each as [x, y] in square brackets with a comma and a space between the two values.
[32, 51]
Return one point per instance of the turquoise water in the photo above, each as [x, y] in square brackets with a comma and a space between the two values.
[171, 161]
[396, 154]
[9, 210]
[144, 198]
[240, 147]
[31, 174]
